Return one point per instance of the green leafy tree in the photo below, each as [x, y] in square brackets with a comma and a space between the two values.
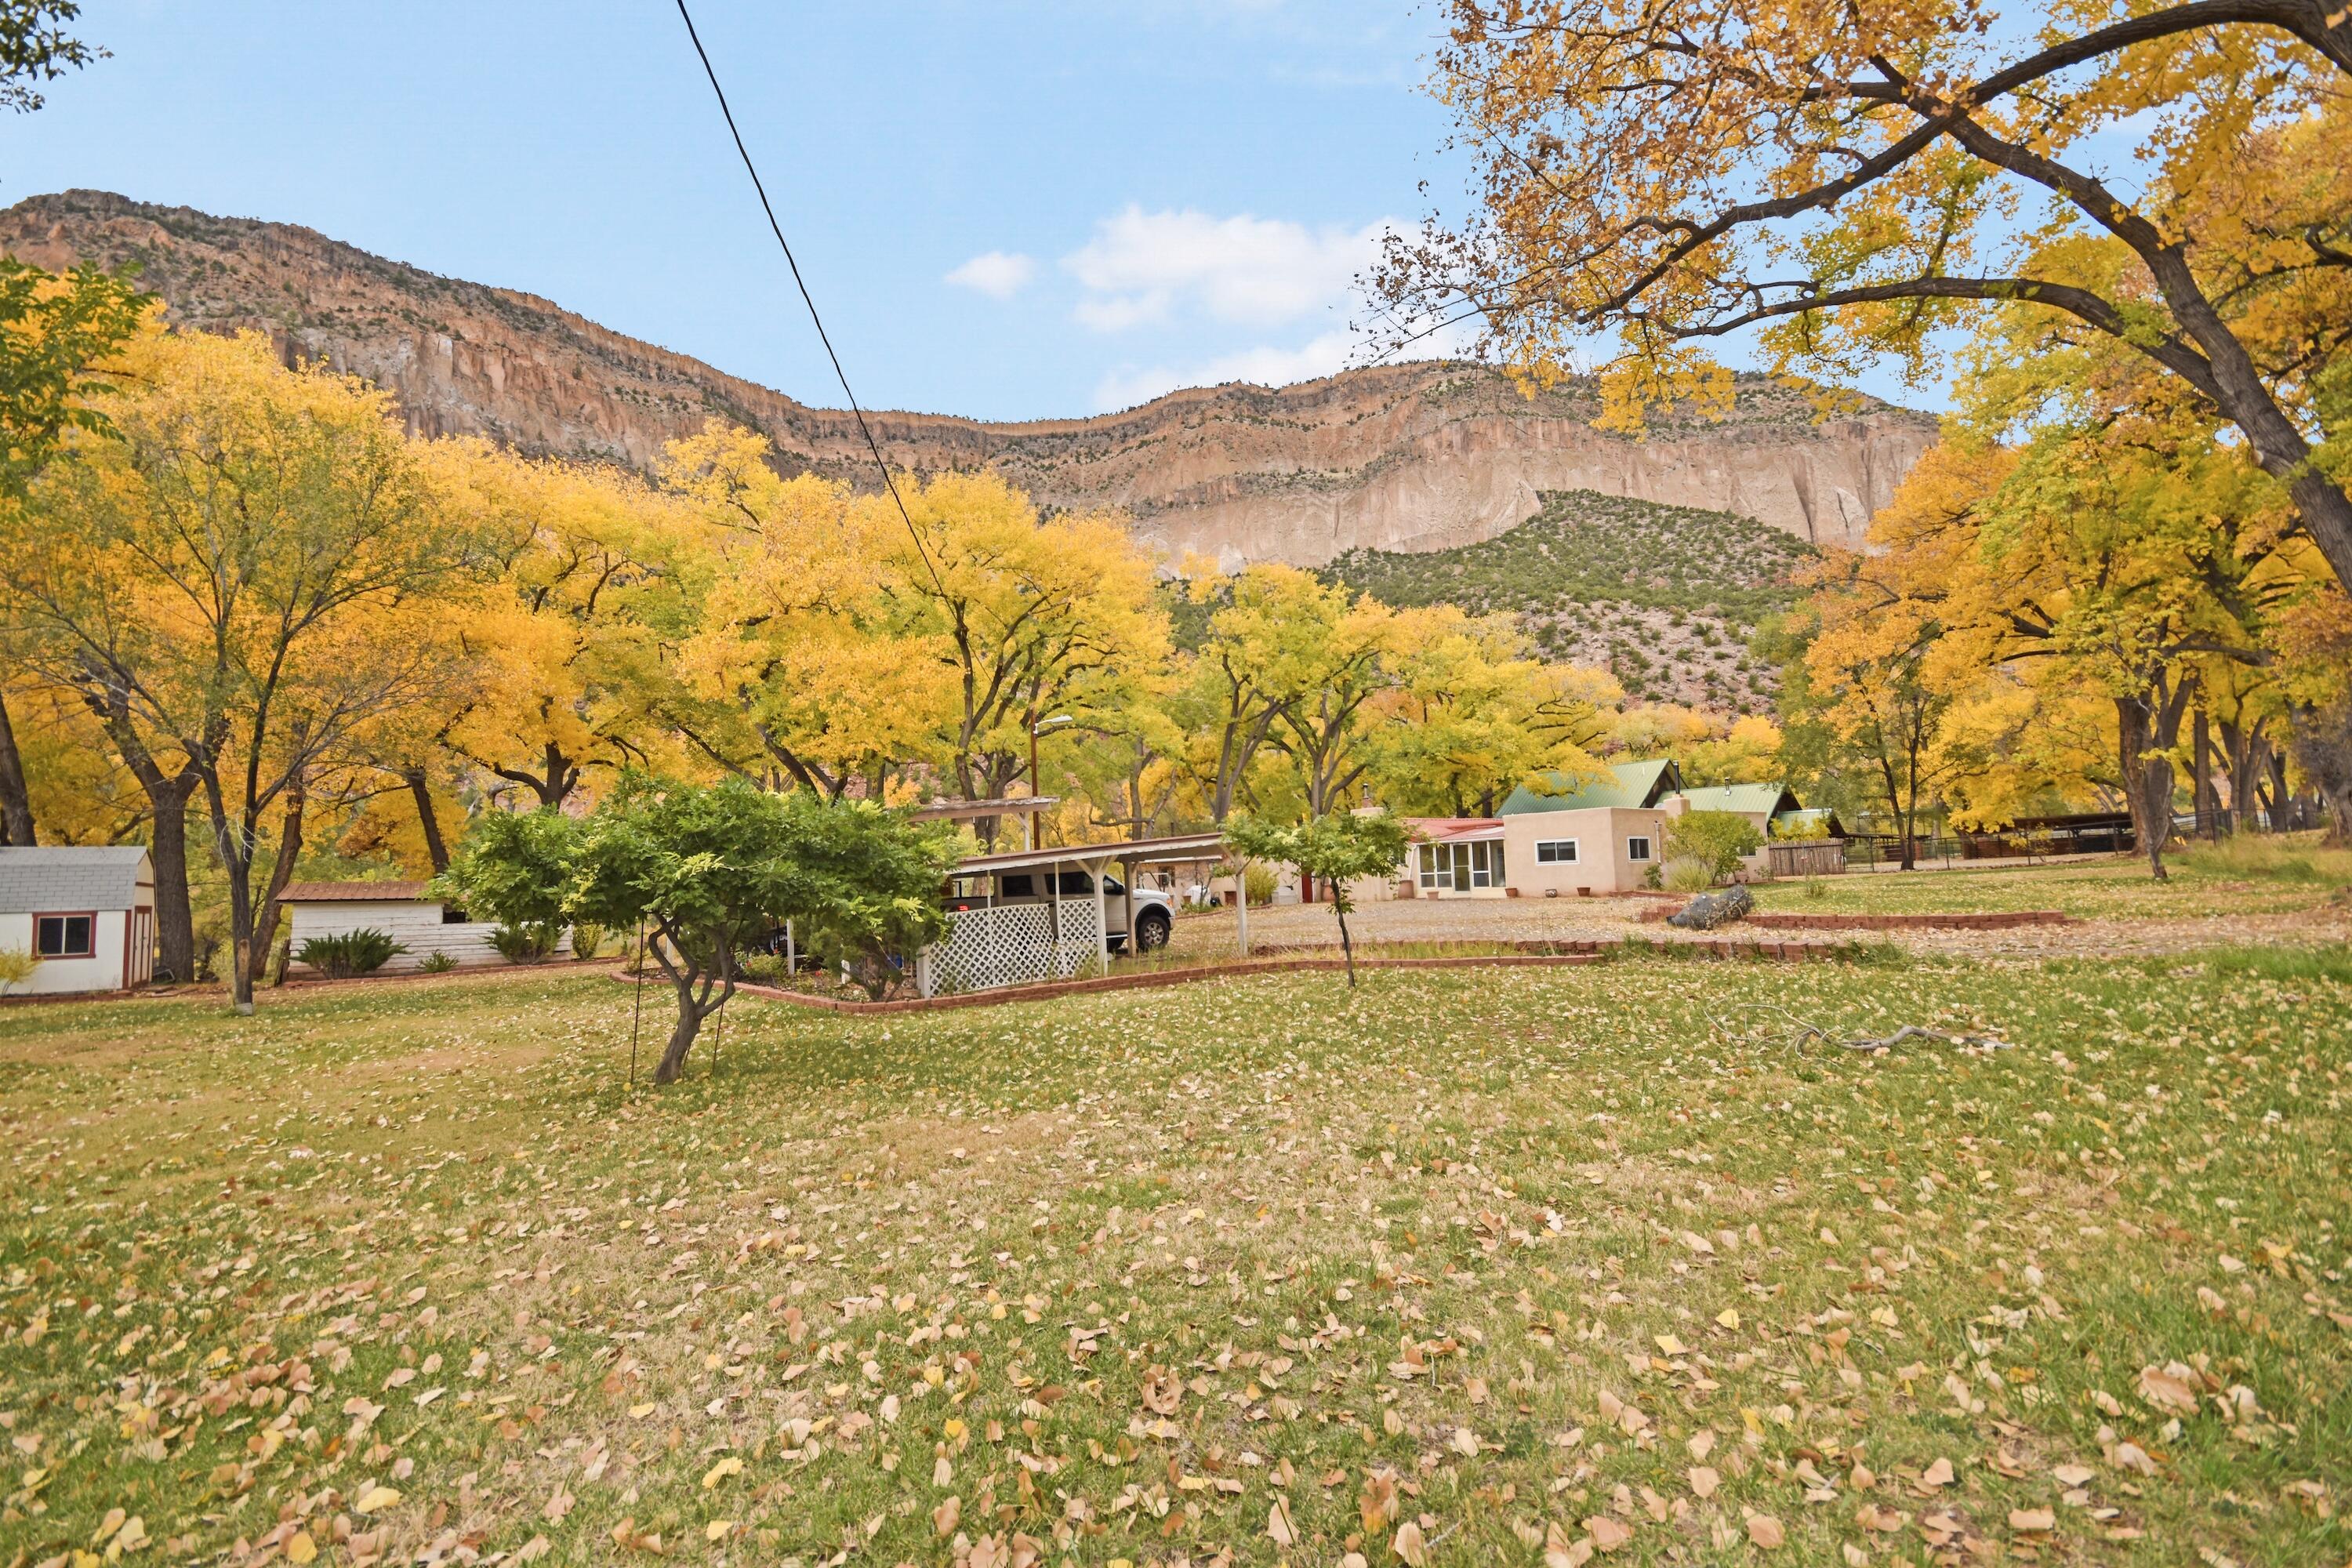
[1336, 850]
[35, 47]
[714, 867]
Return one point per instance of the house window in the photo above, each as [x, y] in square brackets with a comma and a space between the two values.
[1556, 852]
[1637, 849]
[64, 936]
[1459, 868]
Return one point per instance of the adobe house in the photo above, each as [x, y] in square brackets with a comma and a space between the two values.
[1595, 836]
[86, 911]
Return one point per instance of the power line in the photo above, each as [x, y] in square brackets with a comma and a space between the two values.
[888, 481]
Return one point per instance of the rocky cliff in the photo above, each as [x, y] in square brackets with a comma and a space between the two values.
[1413, 456]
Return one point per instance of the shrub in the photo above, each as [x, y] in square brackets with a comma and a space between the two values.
[437, 962]
[17, 966]
[1816, 889]
[1258, 882]
[1686, 874]
[1718, 839]
[361, 951]
[586, 938]
[529, 943]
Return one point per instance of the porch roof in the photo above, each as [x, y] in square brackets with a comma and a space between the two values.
[967, 810]
[1138, 851]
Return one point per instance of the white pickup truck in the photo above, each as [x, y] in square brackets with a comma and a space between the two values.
[1155, 911]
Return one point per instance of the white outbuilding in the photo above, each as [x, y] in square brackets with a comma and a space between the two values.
[404, 911]
[86, 911]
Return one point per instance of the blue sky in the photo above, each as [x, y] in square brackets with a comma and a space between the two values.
[1017, 209]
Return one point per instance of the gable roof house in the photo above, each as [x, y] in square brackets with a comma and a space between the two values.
[87, 913]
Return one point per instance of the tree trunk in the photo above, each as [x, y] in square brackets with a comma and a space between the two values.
[175, 926]
[2147, 781]
[420, 791]
[2203, 813]
[240, 921]
[2323, 745]
[15, 801]
[1347, 948]
[290, 850]
[681, 1037]
[167, 800]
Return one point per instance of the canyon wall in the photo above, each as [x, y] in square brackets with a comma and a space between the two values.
[1411, 456]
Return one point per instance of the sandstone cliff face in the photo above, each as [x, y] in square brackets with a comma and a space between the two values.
[1414, 456]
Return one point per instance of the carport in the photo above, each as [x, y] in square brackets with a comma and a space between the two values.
[993, 941]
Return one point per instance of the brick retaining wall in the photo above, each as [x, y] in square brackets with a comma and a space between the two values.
[1560, 954]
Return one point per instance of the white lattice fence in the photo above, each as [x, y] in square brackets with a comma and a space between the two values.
[1012, 944]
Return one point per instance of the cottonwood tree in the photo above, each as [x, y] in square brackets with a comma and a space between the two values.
[238, 572]
[1470, 717]
[802, 670]
[57, 335]
[567, 638]
[1263, 628]
[1033, 616]
[1847, 181]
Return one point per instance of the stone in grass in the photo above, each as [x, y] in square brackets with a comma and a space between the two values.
[1709, 910]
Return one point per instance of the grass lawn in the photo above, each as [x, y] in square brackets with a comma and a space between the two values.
[2250, 876]
[1466, 1268]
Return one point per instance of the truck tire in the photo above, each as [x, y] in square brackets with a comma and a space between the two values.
[1151, 929]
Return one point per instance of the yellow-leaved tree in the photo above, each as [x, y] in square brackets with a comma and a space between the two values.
[240, 571]
[1034, 618]
[567, 636]
[809, 663]
[1847, 181]
[1472, 717]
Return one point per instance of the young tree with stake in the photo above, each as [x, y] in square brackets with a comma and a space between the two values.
[1335, 850]
[713, 868]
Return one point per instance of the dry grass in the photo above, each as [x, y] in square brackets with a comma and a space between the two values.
[1482, 1260]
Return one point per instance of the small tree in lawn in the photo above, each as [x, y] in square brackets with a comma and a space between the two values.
[1336, 850]
[712, 867]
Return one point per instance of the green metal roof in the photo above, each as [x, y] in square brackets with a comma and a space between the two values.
[1751, 799]
[1628, 785]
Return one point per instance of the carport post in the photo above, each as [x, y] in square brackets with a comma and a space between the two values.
[1127, 877]
[1102, 919]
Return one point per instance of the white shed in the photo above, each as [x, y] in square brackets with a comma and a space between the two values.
[403, 911]
[86, 911]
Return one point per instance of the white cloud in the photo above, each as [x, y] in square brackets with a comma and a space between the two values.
[998, 274]
[1143, 268]
[1265, 366]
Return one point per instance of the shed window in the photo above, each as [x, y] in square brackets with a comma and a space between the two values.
[1556, 852]
[1637, 849]
[64, 936]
